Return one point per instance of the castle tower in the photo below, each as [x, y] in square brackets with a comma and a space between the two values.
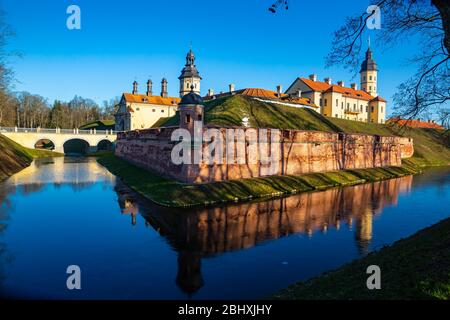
[191, 109]
[189, 76]
[369, 72]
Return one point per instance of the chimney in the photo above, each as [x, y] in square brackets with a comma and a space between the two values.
[313, 77]
[210, 92]
[341, 83]
[327, 80]
[354, 86]
[164, 88]
[299, 93]
[149, 87]
[279, 91]
[135, 87]
[231, 86]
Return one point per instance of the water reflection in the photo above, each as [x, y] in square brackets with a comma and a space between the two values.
[204, 232]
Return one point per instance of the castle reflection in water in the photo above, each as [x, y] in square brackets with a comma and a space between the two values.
[203, 232]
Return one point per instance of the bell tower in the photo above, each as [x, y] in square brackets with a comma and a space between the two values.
[369, 73]
[189, 76]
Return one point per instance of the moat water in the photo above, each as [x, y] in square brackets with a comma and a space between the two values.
[71, 211]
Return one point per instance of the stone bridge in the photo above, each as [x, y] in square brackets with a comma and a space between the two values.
[58, 139]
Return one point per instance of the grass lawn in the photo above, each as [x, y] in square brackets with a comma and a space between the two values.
[171, 193]
[417, 267]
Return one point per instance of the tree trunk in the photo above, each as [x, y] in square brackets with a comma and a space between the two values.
[444, 9]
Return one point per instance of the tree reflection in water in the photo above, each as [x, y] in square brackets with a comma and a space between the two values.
[202, 232]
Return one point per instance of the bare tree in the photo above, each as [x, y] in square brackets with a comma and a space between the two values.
[402, 20]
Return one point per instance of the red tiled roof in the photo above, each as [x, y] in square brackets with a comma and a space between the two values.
[348, 92]
[266, 94]
[142, 98]
[415, 123]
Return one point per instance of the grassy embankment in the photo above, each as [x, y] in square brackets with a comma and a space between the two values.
[99, 125]
[14, 157]
[417, 267]
[431, 149]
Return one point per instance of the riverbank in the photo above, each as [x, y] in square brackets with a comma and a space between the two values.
[417, 267]
[170, 193]
[14, 157]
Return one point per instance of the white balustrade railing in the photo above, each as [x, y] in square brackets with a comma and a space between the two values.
[57, 131]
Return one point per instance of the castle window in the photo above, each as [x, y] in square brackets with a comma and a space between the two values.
[354, 106]
[371, 109]
[364, 78]
[162, 111]
[188, 118]
[137, 109]
[360, 108]
[320, 102]
[370, 77]
[381, 109]
[325, 102]
[348, 106]
[153, 110]
[336, 115]
[337, 102]
[342, 105]
[367, 108]
[187, 85]
[370, 88]
[199, 117]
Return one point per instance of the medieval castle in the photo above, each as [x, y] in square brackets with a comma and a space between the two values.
[293, 151]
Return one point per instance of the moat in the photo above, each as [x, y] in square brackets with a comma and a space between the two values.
[71, 211]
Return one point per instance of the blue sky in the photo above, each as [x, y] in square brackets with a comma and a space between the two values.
[235, 41]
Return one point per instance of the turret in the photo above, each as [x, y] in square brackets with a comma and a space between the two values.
[191, 109]
[189, 76]
[369, 72]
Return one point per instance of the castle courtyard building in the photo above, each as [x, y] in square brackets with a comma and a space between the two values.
[142, 110]
[339, 101]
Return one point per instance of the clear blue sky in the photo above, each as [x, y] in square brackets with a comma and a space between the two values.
[235, 41]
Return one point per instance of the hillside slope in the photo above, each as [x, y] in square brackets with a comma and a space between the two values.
[432, 147]
[14, 157]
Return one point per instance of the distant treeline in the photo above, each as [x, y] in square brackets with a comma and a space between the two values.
[28, 110]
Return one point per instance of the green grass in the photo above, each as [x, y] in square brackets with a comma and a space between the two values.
[171, 193]
[417, 267]
[14, 157]
[99, 125]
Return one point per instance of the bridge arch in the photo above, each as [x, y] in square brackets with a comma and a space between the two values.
[45, 143]
[76, 145]
[105, 145]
